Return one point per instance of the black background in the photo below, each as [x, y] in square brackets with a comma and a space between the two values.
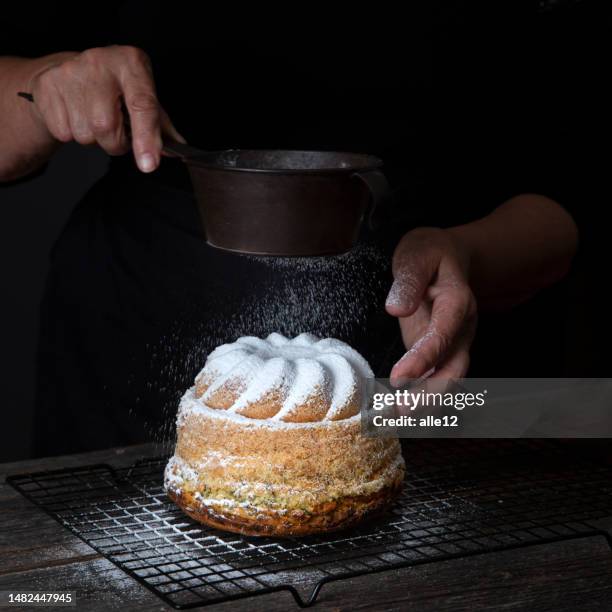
[473, 102]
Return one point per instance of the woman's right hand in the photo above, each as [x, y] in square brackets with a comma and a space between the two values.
[78, 96]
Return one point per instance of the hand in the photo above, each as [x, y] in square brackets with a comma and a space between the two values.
[434, 303]
[78, 96]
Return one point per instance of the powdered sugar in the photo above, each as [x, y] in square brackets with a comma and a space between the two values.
[297, 369]
[275, 374]
[311, 380]
[191, 405]
[222, 501]
[178, 472]
[339, 296]
[346, 384]
[180, 475]
[403, 290]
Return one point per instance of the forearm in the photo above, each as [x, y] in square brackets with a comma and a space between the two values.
[26, 142]
[523, 246]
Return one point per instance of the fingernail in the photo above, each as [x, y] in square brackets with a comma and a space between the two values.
[146, 162]
[399, 381]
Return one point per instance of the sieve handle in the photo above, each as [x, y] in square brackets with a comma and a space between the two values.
[380, 193]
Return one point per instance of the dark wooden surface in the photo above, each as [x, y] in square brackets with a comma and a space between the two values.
[36, 553]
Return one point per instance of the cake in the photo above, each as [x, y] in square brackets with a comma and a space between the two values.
[269, 440]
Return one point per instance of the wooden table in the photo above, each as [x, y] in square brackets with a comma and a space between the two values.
[36, 553]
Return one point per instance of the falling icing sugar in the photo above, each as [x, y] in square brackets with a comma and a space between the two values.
[332, 296]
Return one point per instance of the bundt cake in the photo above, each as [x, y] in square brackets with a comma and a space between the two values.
[269, 440]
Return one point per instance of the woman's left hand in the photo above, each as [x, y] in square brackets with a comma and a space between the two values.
[434, 303]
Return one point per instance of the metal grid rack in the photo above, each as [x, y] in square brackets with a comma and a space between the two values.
[462, 497]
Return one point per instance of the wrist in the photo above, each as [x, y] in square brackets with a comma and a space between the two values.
[27, 142]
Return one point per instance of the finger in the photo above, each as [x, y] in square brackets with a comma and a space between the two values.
[55, 115]
[419, 359]
[457, 361]
[49, 106]
[103, 103]
[74, 100]
[143, 108]
[450, 313]
[413, 270]
[414, 326]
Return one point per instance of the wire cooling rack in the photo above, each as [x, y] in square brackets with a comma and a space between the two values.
[461, 497]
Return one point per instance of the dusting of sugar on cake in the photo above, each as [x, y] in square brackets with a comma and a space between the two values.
[178, 473]
[191, 405]
[181, 476]
[275, 374]
[222, 501]
[311, 380]
[299, 372]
